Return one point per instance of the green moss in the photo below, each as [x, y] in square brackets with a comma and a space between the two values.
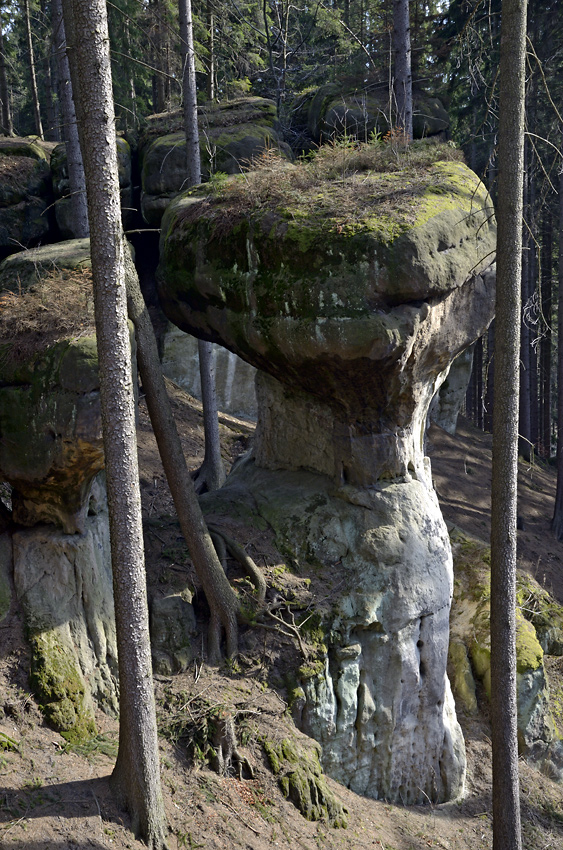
[311, 669]
[57, 681]
[529, 654]
[302, 781]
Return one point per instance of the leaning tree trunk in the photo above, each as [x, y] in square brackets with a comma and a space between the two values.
[220, 596]
[506, 802]
[136, 776]
[403, 74]
[31, 53]
[557, 522]
[6, 126]
[75, 167]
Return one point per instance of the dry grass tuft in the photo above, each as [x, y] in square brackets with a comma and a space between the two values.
[341, 184]
[60, 306]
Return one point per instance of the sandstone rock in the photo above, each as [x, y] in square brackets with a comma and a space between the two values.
[50, 419]
[64, 583]
[234, 379]
[172, 623]
[6, 572]
[332, 111]
[447, 402]
[25, 192]
[538, 740]
[61, 187]
[232, 136]
[22, 270]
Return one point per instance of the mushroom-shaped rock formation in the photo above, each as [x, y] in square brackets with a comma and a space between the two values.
[353, 283]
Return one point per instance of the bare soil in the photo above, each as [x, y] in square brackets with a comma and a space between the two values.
[53, 795]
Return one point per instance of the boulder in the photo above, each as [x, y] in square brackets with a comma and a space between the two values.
[333, 111]
[232, 136]
[173, 626]
[61, 187]
[353, 290]
[25, 195]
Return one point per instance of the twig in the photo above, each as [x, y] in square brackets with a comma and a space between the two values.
[240, 817]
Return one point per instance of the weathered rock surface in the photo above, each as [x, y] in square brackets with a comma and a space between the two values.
[232, 135]
[356, 320]
[64, 583]
[470, 650]
[172, 624]
[447, 403]
[234, 379]
[50, 419]
[61, 187]
[332, 111]
[25, 193]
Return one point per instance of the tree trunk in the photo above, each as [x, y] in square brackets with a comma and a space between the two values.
[211, 48]
[136, 776]
[545, 349]
[221, 598]
[525, 441]
[189, 93]
[557, 522]
[403, 74]
[506, 802]
[33, 79]
[6, 126]
[211, 475]
[490, 381]
[75, 167]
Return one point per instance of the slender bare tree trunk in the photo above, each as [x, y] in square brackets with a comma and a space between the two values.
[6, 126]
[211, 476]
[31, 53]
[211, 49]
[557, 522]
[506, 801]
[75, 167]
[545, 345]
[136, 776]
[189, 93]
[403, 74]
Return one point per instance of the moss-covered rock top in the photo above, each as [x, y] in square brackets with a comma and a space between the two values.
[46, 296]
[400, 223]
[212, 116]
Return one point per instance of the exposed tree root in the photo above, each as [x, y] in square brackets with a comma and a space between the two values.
[227, 756]
[238, 552]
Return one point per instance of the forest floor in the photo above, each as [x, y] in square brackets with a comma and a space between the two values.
[55, 796]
